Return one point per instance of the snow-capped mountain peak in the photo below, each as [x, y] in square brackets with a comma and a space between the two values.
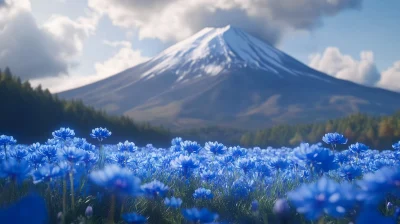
[213, 50]
[226, 77]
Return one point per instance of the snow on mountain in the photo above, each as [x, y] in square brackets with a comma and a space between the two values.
[226, 77]
[213, 50]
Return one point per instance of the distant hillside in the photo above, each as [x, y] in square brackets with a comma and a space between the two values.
[30, 115]
[376, 132]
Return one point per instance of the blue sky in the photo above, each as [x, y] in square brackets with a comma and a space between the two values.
[86, 40]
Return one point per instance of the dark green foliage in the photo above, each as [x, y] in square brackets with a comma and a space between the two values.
[31, 114]
[376, 132]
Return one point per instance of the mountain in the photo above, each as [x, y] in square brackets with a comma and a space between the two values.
[31, 115]
[226, 77]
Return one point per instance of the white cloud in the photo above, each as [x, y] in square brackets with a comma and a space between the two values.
[71, 33]
[32, 50]
[390, 78]
[126, 44]
[342, 66]
[125, 58]
[177, 19]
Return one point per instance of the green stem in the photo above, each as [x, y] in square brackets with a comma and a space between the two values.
[112, 208]
[101, 156]
[64, 203]
[5, 151]
[71, 179]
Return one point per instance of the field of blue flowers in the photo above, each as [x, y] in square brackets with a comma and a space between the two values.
[68, 180]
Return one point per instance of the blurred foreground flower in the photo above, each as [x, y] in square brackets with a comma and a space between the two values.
[324, 196]
[199, 215]
[134, 218]
[173, 202]
[117, 180]
[30, 209]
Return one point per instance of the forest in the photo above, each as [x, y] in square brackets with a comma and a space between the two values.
[29, 114]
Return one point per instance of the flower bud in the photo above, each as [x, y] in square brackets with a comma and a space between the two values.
[281, 208]
[254, 206]
[389, 205]
[89, 211]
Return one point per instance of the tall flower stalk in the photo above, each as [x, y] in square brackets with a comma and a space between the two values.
[100, 134]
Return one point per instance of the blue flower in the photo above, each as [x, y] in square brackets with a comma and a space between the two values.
[117, 180]
[374, 216]
[89, 212]
[202, 193]
[375, 186]
[100, 133]
[186, 163]
[36, 159]
[350, 172]
[88, 147]
[263, 169]
[48, 151]
[241, 188]
[89, 158]
[323, 160]
[35, 147]
[14, 170]
[134, 218]
[334, 139]
[358, 148]
[63, 133]
[199, 215]
[72, 154]
[208, 175]
[176, 141]
[190, 147]
[215, 147]
[127, 147]
[46, 173]
[120, 158]
[7, 140]
[254, 206]
[18, 153]
[324, 196]
[238, 151]
[173, 202]
[396, 146]
[155, 188]
[246, 164]
[279, 163]
[281, 208]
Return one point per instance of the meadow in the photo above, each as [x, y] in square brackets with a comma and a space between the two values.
[69, 180]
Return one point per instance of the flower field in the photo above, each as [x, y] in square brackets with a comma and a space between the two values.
[68, 180]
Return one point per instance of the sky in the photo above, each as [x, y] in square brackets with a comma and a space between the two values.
[64, 44]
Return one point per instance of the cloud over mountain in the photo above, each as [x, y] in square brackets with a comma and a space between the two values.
[172, 20]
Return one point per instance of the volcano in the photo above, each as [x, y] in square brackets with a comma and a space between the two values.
[229, 78]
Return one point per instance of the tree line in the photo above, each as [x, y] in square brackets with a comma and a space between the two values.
[31, 114]
[378, 132]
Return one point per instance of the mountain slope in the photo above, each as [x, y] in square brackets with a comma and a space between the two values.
[224, 76]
